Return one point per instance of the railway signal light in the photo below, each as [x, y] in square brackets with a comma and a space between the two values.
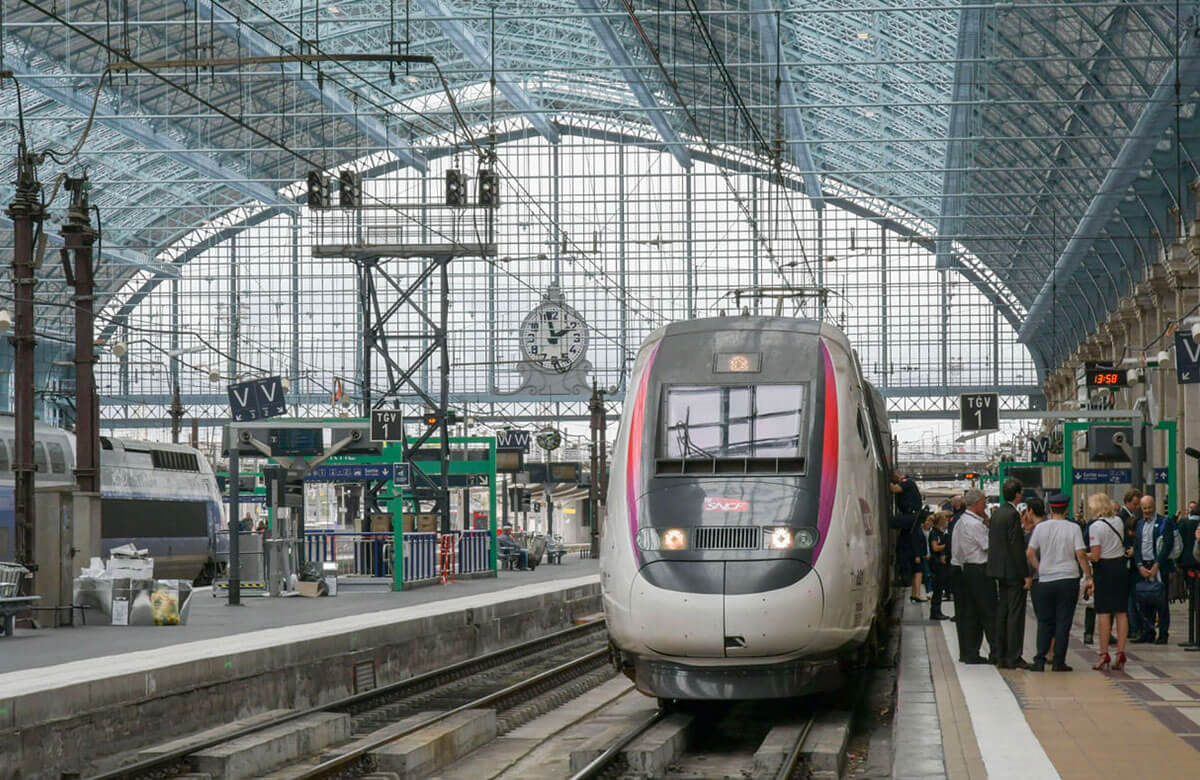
[350, 189]
[456, 188]
[435, 418]
[318, 191]
[489, 188]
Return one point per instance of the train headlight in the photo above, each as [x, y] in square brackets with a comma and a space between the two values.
[648, 539]
[806, 538]
[777, 538]
[674, 539]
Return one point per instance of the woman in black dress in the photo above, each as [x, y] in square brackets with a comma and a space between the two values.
[1106, 542]
[939, 563]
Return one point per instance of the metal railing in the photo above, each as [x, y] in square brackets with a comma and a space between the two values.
[369, 553]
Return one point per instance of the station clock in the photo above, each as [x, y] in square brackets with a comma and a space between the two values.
[553, 336]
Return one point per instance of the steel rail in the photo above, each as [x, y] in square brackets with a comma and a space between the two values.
[165, 762]
[602, 761]
[793, 759]
[570, 669]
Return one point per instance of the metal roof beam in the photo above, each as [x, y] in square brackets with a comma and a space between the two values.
[1155, 119]
[797, 133]
[620, 57]
[259, 45]
[464, 40]
[113, 254]
[954, 184]
[143, 134]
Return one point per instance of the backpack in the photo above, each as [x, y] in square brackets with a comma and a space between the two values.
[1176, 544]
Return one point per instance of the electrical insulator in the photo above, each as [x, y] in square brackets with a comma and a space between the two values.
[456, 188]
[350, 190]
[489, 188]
[318, 192]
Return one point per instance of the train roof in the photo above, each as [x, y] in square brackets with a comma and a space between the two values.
[798, 325]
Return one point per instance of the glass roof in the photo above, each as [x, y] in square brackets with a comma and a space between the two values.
[993, 129]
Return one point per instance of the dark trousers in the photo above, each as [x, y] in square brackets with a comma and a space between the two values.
[1137, 626]
[1055, 610]
[978, 618]
[956, 591]
[1010, 620]
[941, 586]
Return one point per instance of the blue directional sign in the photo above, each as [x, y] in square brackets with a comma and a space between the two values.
[1102, 476]
[1187, 358]
[247, 498]
[402, 475]
[350, 472]
[1161, 476]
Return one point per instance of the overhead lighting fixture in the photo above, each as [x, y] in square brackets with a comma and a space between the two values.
[863, 36]
[869, 113]
[412, 78]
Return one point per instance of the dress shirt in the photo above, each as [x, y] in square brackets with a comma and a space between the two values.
[1148, 543]
[970, 539]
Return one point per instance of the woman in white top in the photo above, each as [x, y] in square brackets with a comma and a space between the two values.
[1056, 553]
[1106, 542]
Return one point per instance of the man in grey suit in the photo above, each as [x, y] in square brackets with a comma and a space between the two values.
[1006, 564]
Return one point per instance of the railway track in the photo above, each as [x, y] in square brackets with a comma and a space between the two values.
[502, 680]
[610, 764]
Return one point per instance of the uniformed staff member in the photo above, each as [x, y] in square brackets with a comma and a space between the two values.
[1056, 553]
[969, 545]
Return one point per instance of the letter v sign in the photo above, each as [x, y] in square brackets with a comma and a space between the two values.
[1187, 358]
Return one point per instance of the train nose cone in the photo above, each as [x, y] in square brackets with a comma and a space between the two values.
[674, 621]
[718, 609]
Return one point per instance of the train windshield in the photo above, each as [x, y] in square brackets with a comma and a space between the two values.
[749, 421]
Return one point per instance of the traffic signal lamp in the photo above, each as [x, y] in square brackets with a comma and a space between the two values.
[488, 188]
[456, 188]
[318, 191]
[435, 418]
[350, 189]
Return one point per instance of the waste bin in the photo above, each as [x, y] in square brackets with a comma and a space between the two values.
[330, 571]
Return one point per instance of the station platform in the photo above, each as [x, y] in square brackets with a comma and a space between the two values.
[959, 721]
[116, 686]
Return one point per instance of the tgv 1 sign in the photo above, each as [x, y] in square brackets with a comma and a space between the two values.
[1187, 358]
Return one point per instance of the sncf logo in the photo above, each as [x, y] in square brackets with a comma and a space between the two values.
[725, 505]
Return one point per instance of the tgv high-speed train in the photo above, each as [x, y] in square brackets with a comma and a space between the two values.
[745, 550]
[162, 497]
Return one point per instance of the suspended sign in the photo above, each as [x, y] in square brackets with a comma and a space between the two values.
[1187, 358]
[257, 399]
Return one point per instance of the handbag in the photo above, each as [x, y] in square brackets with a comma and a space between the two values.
[1146, 590]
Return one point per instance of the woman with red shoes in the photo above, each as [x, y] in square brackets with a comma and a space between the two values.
[1106, 541]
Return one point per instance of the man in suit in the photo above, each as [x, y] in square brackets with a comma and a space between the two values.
[1152, 556]
[1006, 565]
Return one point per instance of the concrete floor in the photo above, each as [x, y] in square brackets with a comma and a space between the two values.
[212, 618]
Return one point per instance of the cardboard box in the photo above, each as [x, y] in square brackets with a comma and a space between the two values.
[308, 589]
[381, 521]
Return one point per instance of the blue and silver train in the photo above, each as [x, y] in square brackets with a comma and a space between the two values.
[162, 497]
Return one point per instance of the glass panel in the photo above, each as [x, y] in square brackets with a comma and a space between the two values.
[58, 461]
[756, 421]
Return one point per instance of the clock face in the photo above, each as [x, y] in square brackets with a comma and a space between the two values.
[553, 337]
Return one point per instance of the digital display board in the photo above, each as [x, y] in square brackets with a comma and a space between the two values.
[1106, 377]
[737, 363]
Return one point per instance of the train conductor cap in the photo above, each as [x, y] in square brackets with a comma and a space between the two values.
[1058, 501]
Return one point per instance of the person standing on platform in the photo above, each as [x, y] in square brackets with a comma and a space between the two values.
[1056, 554]
[1152, 556]
[1006, 564]
[1189, 569]
[939, 563]
[1129, 513]
[1106, 551]
[977, 617]
[907, 521]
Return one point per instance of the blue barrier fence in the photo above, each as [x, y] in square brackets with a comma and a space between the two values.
[473, 551]
[369, 553]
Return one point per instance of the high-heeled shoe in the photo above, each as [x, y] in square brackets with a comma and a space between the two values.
[1119, 664]
[1104, 663]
